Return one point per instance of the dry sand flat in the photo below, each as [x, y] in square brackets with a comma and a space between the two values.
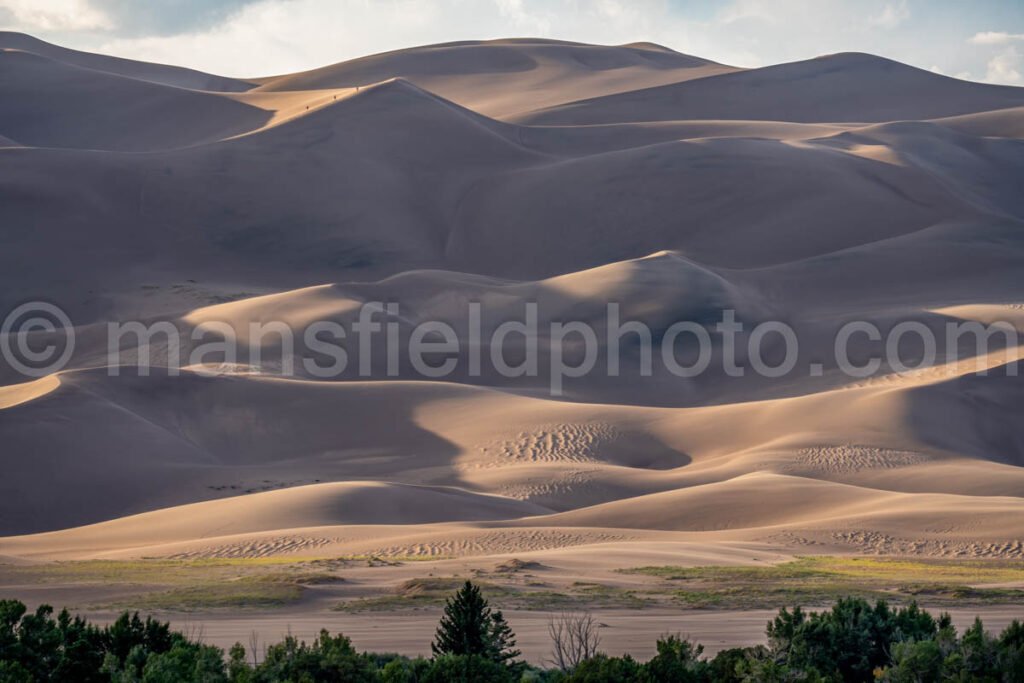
[506, 172]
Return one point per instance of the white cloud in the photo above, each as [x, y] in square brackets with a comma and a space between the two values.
[260, 37]
[739, 10]
[54, 15]
[524, 19]
[994, 38]
[273, 36]
[891, 16]
[1005, 68]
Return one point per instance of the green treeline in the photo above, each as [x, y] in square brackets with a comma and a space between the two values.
[853, 641]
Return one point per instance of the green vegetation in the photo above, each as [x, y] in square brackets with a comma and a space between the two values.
[432, 592]
[273, 590]
[821, 580]
[188, 585]
[469, 627]
[854, 641]
[415, 594]
[579, 596]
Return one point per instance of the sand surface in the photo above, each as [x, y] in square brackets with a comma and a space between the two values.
[847, 187]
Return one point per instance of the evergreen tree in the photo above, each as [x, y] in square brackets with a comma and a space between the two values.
[469, 627]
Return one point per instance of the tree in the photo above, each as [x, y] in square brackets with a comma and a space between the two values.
[979, 651]
[129, 632]
[469, 627]
[239, 670]
[466, 669]
[604, 669]
[678, 661]
[329, 658]
[848, 642]
[403, 670]
[574, 638]
[731, 666]
[1011, 652]
[186, 662]
[914, 662]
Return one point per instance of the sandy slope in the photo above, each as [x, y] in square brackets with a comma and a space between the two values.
[156, 73]
[508, 77]
[506, 172]
[49, 103]
[842, 87]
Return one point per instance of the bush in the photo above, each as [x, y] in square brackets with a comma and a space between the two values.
[403, 670]
[186, 662]
[732, 666]
[1011, 652]
[329, 658]
[850, 641]
[914, 662]
[467, 669]
[677, 661]
[604, 669]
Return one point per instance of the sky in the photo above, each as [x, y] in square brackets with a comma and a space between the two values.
[980, 40]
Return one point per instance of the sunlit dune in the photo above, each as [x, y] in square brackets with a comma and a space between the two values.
[502, 174]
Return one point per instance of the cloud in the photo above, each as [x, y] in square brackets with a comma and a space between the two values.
[166, 17]
[891, 16]
[259, 37]
[994, 38]
[276, 36]
[1005, 68]
[740, 10]
[53, 15]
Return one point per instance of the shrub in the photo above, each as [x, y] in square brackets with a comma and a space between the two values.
[604, 669]
[467, 669]
[678, 661]
[329, 658]
[848, 642]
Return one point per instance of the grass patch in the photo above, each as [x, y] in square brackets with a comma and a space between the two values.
[234, 583]
[432, 592]
[417, 594]
[259, 591]
[220, 596]
[581, 595]
[820, 580]
[182, 585]
[143, 571]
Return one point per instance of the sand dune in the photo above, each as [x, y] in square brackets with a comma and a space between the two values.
[1006, 123]
[156, 73]
[316, 505]
[842, 87]
[17, 394]
[847, 187]
[204, 434]
[54, 104]
[573, 188]
[505, 77]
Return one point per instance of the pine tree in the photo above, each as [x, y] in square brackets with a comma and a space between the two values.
[502, 640]
[468, 627]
